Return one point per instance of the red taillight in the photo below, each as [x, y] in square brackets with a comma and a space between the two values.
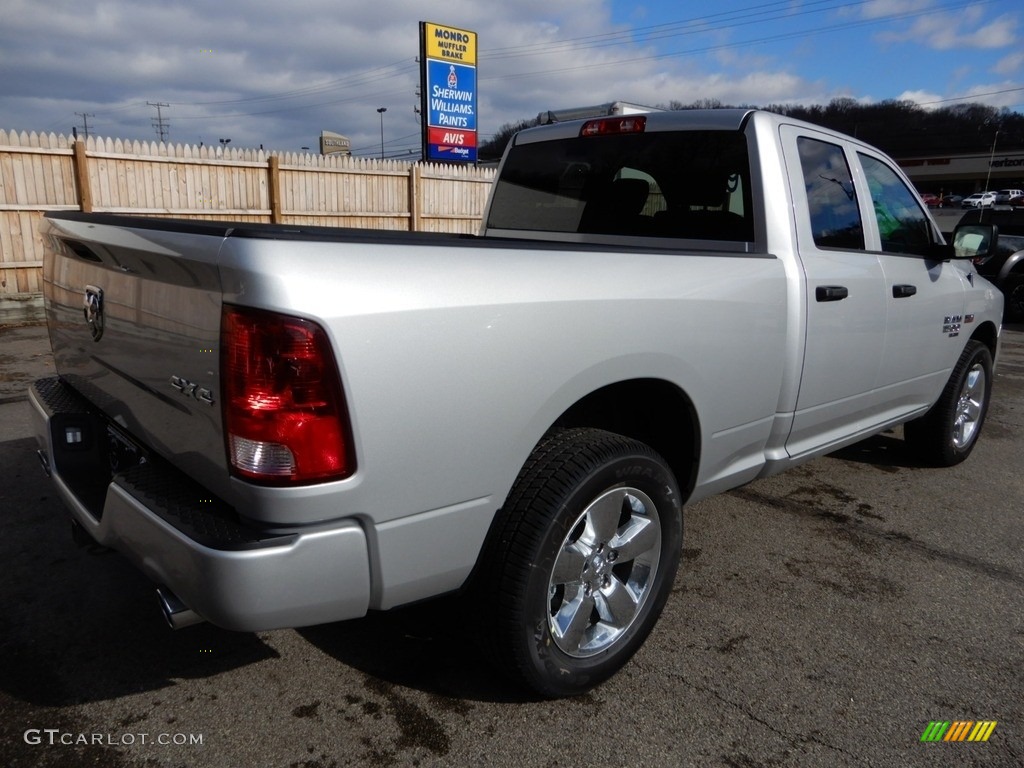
[606, 126]
[284, 411]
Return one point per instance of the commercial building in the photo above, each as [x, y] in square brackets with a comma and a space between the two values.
[965, 174]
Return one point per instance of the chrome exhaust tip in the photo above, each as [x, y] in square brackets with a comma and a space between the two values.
[45, 461]
[176, 613]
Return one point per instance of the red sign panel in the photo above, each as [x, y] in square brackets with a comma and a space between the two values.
[451, 137]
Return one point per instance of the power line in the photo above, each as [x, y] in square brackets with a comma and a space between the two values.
[297, 108]
[631, 39]
[744, 43]
[714, 22]
[969, 98]
[384, 72]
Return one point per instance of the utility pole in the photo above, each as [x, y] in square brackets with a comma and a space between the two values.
[991, 159]
[161, 125]
[381, 111]
[85, 121]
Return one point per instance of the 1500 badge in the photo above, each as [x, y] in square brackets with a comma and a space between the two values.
[951, 325]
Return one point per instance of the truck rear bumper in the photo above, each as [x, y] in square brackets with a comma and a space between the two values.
[230, 573]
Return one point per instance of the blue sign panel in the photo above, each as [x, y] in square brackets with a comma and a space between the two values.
[451, 95]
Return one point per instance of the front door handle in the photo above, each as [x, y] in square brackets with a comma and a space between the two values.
[831, 292]
[902, 291]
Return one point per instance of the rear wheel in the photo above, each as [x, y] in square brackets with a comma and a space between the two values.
[947, 434]
[583, 562]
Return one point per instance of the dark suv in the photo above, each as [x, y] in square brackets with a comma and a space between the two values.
[1005, 267]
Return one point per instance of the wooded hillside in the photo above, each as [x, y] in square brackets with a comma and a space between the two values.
[899, 128]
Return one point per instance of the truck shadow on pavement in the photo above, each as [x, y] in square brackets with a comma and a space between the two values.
[887, 451]
[431, 647]
[79, 627]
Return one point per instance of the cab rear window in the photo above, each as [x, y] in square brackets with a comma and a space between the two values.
[687, 184]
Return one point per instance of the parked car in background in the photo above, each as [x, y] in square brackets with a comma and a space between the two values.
[979, 200]
[1004, 196]
[951, 201]
[1005, 266]
[1017, 202]
[932, 201]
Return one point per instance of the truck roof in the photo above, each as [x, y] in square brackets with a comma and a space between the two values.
[597, 110]
[684, 119]
[730, 119]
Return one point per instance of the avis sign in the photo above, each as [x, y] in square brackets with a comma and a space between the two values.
[449, 95]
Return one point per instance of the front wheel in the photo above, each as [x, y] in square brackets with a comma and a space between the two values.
[1013, 290]
[583, 562]
[947, 434]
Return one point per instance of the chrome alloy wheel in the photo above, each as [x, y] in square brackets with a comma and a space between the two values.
[604, 571]
[970, 407]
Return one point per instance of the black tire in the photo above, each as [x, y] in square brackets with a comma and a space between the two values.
[605, 510]
[1013, 292]
[947, 434]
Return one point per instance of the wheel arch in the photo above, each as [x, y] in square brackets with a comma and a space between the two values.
[653, 411]
[1012, 267]
[987, 334]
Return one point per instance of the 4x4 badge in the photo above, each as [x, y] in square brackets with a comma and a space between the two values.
[94, 311]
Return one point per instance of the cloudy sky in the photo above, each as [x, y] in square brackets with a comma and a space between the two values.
[277, 73]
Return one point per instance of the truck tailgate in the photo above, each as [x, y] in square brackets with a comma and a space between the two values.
[134, 318]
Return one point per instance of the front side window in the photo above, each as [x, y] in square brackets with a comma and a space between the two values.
[902, 224]
[831, 197]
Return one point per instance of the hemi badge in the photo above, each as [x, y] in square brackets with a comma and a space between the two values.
[968, 318]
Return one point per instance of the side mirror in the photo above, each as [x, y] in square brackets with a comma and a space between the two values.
[974, 241]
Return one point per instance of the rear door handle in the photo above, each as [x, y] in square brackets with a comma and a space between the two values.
[831, 292]
[902, 291]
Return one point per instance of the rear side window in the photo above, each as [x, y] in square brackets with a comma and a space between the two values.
[687, 184]
[831, 197]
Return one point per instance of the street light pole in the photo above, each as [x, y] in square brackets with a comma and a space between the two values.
[381, 111]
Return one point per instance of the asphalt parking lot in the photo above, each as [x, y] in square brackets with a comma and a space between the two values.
[823, 617]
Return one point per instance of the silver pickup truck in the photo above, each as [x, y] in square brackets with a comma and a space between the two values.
[290, 426]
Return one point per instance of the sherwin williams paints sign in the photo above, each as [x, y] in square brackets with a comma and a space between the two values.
[448, 88]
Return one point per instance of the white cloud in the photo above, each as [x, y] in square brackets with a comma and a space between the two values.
[957, 31]
[272, 73]
[880, 9]
[759, 88]
[926, 99]
[1003, 94]
[1009, 65]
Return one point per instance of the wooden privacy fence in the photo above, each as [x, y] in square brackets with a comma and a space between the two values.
[46, 172]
